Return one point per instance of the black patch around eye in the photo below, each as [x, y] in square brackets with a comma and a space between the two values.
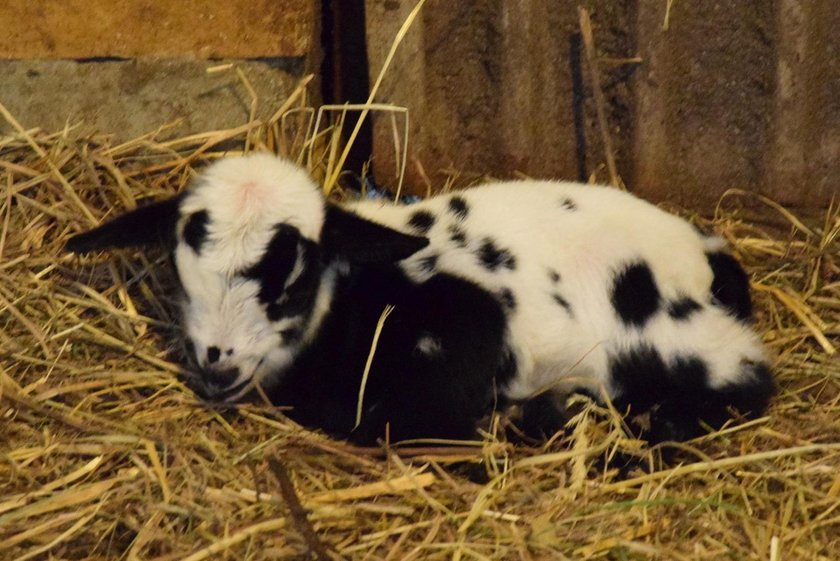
[299, 305]
[683, 308]
[458, 236]
[429, 264]
[421, 221]
[492, 257]
[298, 298]
[195, 230]
[459, 207]
[282, 296]
[635, 296]
[507, 298]
[276, 263]
[568, 204]
[291, 335]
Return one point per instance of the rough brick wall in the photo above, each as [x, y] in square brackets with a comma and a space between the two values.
[727, 94]
[490, 87]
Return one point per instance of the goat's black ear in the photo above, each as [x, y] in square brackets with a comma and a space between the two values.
[359, 240]
[152, 224]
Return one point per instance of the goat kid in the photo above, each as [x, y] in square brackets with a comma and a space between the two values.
[500, 293]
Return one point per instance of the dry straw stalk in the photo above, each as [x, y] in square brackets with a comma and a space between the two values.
[104, 454]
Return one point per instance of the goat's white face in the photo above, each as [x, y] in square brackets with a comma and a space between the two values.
[232, 339]
[247, 258]
[250, 254]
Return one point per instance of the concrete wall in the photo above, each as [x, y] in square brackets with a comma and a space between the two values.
[489, 84]
[128, 98]
[805, 148]
[731, 93]
[727, 94]
[127, 68]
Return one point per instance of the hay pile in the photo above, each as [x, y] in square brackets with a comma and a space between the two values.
[104, 454]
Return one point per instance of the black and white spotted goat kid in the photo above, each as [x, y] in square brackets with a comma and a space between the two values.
[499, 293]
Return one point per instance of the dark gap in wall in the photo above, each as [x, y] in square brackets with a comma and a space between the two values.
[632, 50]
[97, 59]
[345, 70]
[293, 65]
[578, 103]
[296, 66]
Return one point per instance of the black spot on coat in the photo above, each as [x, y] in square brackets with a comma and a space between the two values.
[635, 296]
[195, 230]
[683, 308]
[421, 221]
[507, 298]
[678, 399]
[459, 207]
[492, 257]
[429, 263]
[730, 285]
[563, 303]
[457, 235]
[553, 276]
[277, 261]
[568, 204]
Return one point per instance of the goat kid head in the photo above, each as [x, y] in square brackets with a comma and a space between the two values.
[256, 249]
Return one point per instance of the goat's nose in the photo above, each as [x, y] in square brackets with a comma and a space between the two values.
[220, 377]
[212, 383]
[213, 354]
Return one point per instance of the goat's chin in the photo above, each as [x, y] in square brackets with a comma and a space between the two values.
[267, 371]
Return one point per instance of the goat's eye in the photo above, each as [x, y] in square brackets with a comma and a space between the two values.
[285, 306]
[228, 352]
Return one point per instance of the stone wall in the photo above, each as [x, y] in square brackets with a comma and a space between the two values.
[129, 67]
[701, 96]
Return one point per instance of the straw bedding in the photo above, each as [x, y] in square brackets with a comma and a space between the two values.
[104, 454]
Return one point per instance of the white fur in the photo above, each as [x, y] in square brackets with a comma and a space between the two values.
[245, 198]
[587, 245]
[607, 229]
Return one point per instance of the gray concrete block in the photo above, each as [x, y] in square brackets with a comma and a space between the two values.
[128, 98]
[490, 87]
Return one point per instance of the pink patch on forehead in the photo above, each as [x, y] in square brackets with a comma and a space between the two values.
[248, 189]
[249, 196]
